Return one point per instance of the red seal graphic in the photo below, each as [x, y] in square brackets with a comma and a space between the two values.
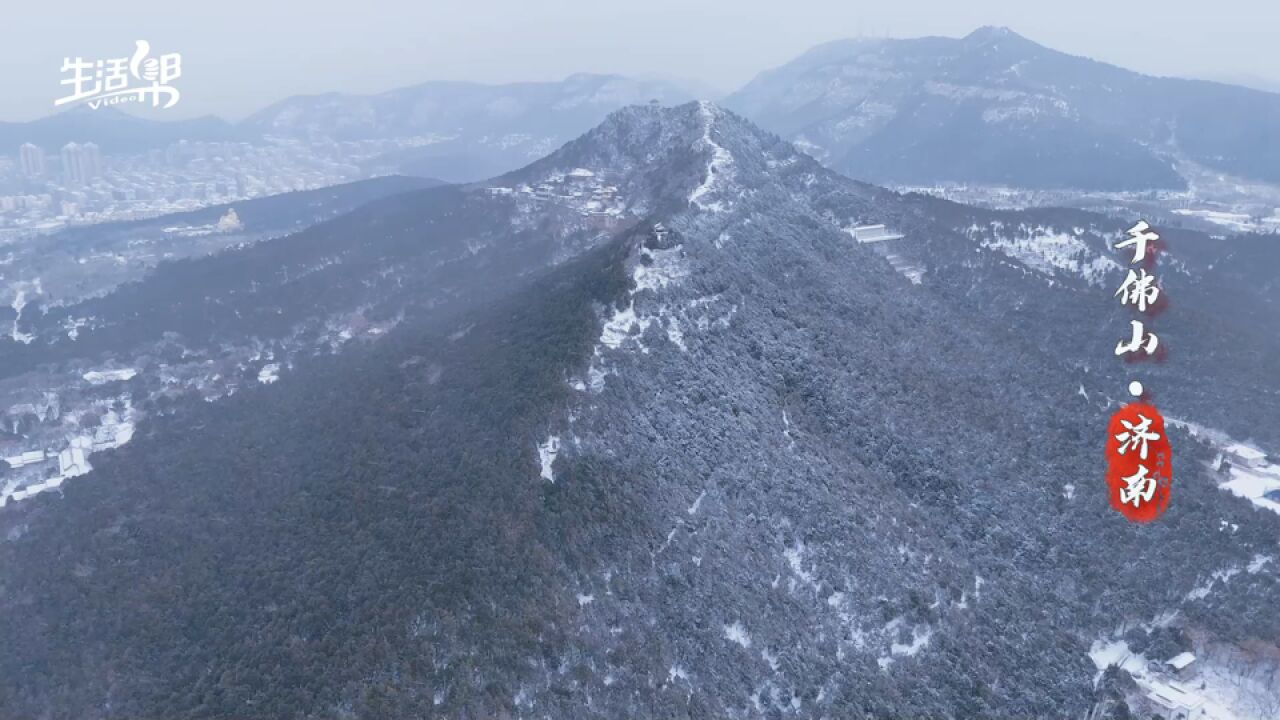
[1139, 462]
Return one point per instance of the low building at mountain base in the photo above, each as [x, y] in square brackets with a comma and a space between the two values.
[1246, 456]
[1176, 700]
[1182, 665]
[874, 233]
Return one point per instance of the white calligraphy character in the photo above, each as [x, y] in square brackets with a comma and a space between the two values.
[1139, 235]
[1136, 436]
[82, 82]
[158, 72]
[1139, 289]
[1139, 488]
[1140, 340]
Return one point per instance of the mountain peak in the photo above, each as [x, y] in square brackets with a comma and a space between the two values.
[701, 124]
[992, 32]
[992, 36]
[696, 153]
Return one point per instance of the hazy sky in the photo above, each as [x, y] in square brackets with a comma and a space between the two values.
[239, 55]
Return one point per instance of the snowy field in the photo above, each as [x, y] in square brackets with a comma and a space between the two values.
[1217, 692]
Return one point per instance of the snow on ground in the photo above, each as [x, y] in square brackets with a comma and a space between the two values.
[1106, 653]
[1254, 484]
[596, 374]
[269, 373]
[771, 659]
[20, 302]
[622, 325]
[1219, 576]
[1224, 576]
[675, 334]
[795, 560]
[738, 634]
[1236, 695]
[73, 324]
[547, 452]
[99, 377]
[1047, 251]
[697, 503]
[706, 320]
[786, 431]
[908, 269]
[663, 268]
[1250, 483]
[919, 639]
[656, 270]
[721, 162]
[1235, 221]
[1220, 693]
[1215, 437]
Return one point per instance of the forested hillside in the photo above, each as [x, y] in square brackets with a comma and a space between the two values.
[651, 436]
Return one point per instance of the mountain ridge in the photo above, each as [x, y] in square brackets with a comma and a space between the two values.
[469, 131]
[682, 448]
[929, 110]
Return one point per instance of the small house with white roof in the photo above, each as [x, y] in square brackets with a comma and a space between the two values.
[1181, 664]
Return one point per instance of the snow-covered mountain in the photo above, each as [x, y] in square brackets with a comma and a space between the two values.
[996, 108]
[673, 422]
[465, 131]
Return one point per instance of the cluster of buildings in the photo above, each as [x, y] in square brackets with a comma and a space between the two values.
[80, 163]
[580, 189]
[23, 203]
[32, 472]
[1171, 695]
[1217, 206]
[77, 164]
[44, 190]
[1164, 687]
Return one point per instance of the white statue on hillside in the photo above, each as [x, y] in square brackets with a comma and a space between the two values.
[230, 222]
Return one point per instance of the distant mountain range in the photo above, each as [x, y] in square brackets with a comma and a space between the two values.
[992, 108]
[434, 108]
[996, 108]
[641, 429]
[465, 131]
[453, 131]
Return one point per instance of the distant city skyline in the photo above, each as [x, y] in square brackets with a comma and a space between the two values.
[241, 56]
